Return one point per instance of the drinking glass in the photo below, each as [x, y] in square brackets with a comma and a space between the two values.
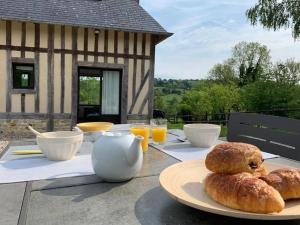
[159, 130]
[142, 130]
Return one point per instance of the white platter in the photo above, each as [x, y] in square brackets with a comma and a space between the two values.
[184, 183]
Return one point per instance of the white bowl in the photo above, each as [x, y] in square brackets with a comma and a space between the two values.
[202, 135]
[61, 145]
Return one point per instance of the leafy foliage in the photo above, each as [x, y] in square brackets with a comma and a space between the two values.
[286, 72]
[89, 90]
[223, 73]
[159, 102]
[276, 14]
[262, 95]
[249, 62]
[247, 81]
[196, 102]
[224, 98]
[216, 98]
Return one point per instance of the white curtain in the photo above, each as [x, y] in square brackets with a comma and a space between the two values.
[111, 93]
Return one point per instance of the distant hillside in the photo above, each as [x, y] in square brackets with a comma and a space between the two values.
[173, 87]
[168, 93]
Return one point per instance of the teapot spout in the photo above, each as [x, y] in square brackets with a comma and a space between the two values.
[135, 150]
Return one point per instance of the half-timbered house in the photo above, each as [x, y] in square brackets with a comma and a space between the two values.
[67, 61]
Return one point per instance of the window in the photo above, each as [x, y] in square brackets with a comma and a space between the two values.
[99, 94]
[23, 76]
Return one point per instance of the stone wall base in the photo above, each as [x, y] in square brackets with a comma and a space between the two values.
[15, 129]
[62, 124]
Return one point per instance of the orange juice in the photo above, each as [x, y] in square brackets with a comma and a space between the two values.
[143, 131]
[159, 134]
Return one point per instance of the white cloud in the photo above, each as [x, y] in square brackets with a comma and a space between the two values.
[205, 32]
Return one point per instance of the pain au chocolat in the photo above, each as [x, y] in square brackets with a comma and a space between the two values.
[234, 157]
[286, 181]
[243, 191]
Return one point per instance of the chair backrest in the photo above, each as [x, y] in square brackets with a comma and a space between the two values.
[273, 134]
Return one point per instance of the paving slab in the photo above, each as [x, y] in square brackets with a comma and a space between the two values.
[11, 198]
[139, 201]
[88, 200]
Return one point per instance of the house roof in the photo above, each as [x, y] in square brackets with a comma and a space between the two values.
[125, 15]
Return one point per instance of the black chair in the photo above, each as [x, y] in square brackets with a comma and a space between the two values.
[273, 134]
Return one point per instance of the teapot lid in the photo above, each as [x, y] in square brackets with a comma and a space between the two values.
[117, 133]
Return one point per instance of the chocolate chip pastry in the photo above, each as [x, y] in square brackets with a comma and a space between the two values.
[234, 157]
[235, 181]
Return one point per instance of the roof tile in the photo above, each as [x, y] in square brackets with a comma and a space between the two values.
[115, 14]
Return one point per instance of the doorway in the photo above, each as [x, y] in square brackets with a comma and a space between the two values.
[99, 94]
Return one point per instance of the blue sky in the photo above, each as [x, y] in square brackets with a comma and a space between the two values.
[205, 32]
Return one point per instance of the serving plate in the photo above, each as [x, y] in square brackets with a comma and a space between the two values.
[184, 183]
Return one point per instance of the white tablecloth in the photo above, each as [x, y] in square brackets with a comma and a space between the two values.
[37, 167]
[184, 151]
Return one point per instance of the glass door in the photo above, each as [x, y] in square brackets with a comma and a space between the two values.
[99, 95]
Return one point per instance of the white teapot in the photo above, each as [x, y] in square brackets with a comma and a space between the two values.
[117, 156]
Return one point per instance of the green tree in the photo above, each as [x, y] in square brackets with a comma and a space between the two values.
[223, 73]
[159, 102]
[286, 72]
[224, 98]
[173, 105]
[203, 84]
[267, 95]
[196, 103]
[251, 61]
[215, 99]
[276, 14]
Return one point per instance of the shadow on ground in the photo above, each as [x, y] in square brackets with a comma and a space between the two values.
[156, 207]
[81, 192]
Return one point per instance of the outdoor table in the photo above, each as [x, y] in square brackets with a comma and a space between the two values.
[88, 200]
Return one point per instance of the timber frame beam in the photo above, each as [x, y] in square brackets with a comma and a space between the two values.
[131, 52]
[77, 52]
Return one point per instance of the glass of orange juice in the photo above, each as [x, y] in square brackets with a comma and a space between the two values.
[142, 130]
[159, 130]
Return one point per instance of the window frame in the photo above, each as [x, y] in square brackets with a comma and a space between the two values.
[85, 69]
[31, 86]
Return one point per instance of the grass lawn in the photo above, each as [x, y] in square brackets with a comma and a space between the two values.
[180, 126]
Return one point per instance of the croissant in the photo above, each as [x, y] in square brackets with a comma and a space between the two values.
[286, 181]
[244, 192]
[233, 157]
